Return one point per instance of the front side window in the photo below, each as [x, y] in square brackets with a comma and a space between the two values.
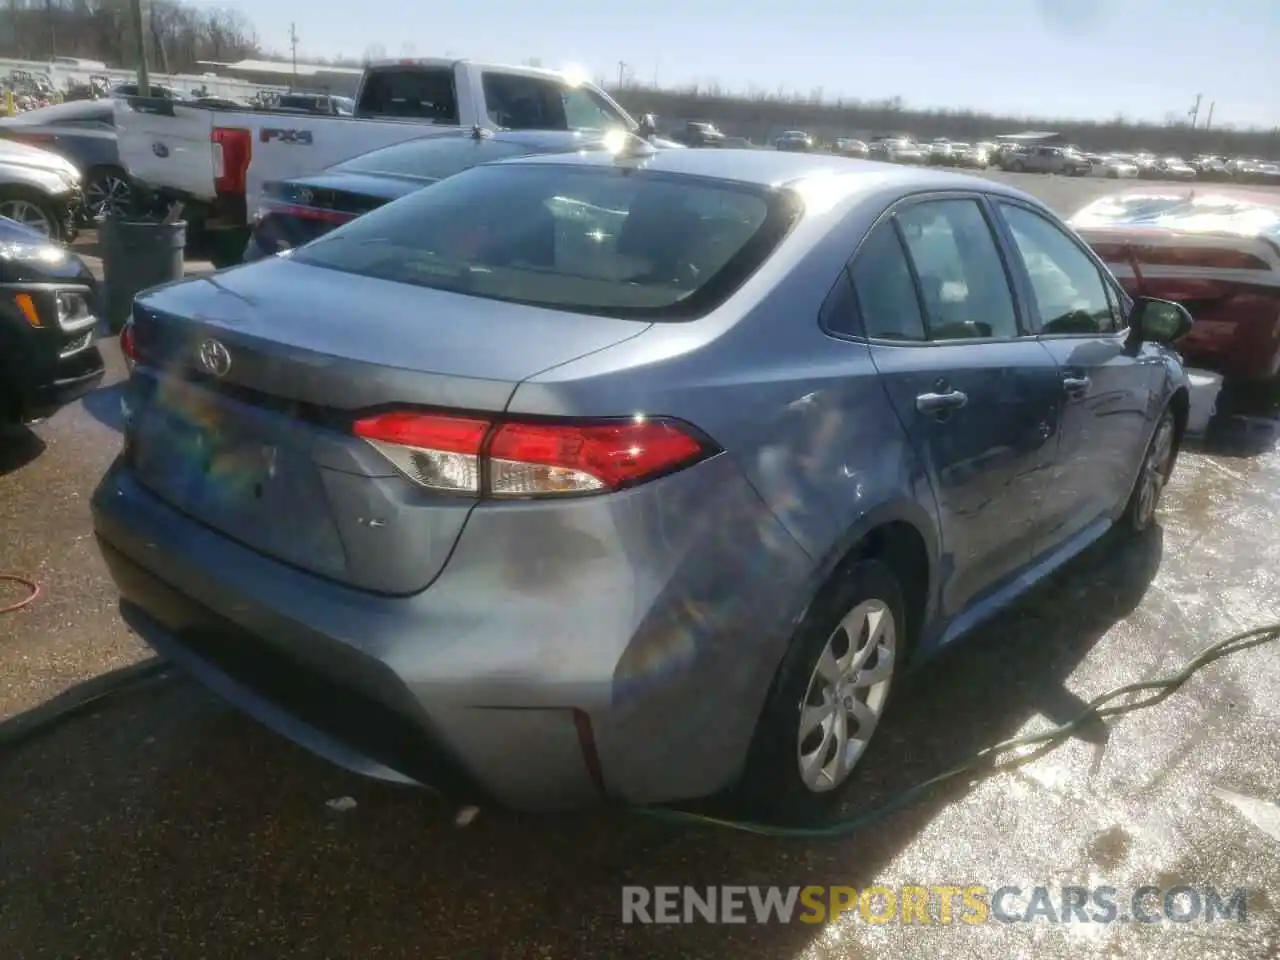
[1067, 286]
[520, 102]
[570, 237]
[963, 282]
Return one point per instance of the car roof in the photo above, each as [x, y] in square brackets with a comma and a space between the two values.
[772, 168]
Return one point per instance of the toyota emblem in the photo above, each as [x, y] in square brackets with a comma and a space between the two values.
[215, 358]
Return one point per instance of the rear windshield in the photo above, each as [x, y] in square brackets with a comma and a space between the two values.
[607, 241]
[410, 93]
[434, 158]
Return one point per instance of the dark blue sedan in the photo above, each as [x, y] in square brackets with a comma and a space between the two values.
[293, 212]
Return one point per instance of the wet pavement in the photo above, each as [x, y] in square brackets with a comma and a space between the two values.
[165, 825]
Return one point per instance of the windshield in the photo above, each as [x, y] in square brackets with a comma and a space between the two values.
[587, 239]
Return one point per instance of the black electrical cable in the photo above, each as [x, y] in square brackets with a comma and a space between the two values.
[1158, 690]
[89, 695]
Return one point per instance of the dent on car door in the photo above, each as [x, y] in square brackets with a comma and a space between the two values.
[1108, 385]
[978, 400]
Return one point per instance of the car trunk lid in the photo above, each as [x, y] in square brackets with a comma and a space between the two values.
[248, 383]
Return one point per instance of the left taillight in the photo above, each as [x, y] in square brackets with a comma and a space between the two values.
[232, 149]
[513, 459]
[129, 343]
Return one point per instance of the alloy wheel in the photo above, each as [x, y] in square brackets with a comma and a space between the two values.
[28, 214]
[1155, 471]
[106, 195]
[846, 696]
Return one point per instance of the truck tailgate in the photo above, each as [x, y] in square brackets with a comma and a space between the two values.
[291, 145]
[167, 145]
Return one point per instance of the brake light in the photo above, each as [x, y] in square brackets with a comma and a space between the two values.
[277, 208]
[128, 343]
[232, 150]
[442, 453]
[531, 459]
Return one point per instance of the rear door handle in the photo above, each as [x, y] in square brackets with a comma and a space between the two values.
[1075, 385]
[941, 402]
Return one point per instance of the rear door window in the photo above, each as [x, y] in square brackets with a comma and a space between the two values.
[411, 93]
[886, 294]
[962, 277]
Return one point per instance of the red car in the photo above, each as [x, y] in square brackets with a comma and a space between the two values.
[1214, 250]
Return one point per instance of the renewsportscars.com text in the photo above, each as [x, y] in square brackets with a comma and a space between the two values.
[936, 904]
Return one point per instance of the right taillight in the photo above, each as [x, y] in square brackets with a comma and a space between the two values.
[531, 458]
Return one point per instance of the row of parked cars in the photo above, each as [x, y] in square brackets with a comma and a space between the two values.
[1042, 158]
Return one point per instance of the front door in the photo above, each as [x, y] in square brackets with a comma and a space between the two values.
[978, 398]
[1105, 426]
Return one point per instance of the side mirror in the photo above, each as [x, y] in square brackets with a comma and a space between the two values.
[1160, 321]
[648, 126]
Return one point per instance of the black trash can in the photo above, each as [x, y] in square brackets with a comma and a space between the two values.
[137, 254]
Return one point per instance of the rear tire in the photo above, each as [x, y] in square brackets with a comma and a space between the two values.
[107, 187]
[1153, 475]
[830, 692]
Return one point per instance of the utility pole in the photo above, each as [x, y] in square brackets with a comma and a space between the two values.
[293, 47]
[622, 72]
[1195, 111]
[140, 39]
[1208, 121]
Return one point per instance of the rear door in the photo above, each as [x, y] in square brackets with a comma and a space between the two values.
[976, 393]
[1107, 385]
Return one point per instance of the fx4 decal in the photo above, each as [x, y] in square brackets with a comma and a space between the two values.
[267, 134]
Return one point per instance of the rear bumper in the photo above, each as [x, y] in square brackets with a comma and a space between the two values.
[538, 675]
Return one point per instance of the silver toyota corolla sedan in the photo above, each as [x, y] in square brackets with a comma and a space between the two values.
[630, 476]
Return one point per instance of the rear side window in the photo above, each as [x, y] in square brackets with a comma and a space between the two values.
[585, 239]
[417, 93]
[886, 293]
[433, 158]
[963, 282]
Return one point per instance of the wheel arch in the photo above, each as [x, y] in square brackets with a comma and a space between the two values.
[902, 535]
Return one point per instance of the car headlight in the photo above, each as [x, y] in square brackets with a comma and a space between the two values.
[74, 311]
[33, 252]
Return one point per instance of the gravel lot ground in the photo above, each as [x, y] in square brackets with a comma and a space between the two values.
[165, 825]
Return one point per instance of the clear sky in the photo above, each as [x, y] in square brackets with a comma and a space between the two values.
[1051, 58]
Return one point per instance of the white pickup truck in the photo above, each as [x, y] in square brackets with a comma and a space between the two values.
[215, 159]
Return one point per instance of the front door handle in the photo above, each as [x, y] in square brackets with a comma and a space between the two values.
[941, 402]
[1076, 386]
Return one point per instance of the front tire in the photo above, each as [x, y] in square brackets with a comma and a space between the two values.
[828, 697]
[1153, 475]
[33, 210]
